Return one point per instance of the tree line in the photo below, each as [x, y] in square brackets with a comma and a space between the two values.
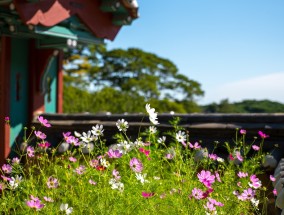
[118, 81]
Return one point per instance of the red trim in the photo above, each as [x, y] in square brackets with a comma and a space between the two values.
[39, 59]
[60, 83]
[50, 13]
[5, 59]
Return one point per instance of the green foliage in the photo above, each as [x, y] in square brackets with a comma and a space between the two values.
[121, 80]
[132, 176]
[246, 106]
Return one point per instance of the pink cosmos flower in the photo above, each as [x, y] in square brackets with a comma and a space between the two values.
[48, 199]
[52, 182]
[73, 140]
[80, 170]
[214, 202]
[40, 135]
[147, 195]
[114, 153]
[239, 156]
[213, 156]
[271, 177]
[210, 207]
[169, 156]
[262, 135]
[239, 184]
[274, 192]
[36, 204]
[116, 175]
[136, 165]
[236, 193]
[94, 163]
[206, 178]
[195, 146]
[255, 182]
[92, 182]
[72, 159]
[5, 178]
[30, 151]
[66, 136]
[247, 194]
[218, 176]
[43, 121]
[7, 168]
[44, 145]
[243, 131]
[196, 193]
[255, 147]
[242, 174]
[15, 160]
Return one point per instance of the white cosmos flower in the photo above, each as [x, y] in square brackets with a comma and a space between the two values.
[152, 114]
[162, 140]
[255, 202]
[181, 137]
[141, 177]
[122, 125]
[152, 129]
[15, 181]
[97, 130]
[64, 207]
[116, 185]
[88, 137]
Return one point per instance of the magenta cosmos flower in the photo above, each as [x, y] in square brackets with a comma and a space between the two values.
[243, 131]
[136, 165]
[145, 152]
[147, 195]
[44, 145]
[43, 121]
[262, 135]
[255, 147]
[206, 178]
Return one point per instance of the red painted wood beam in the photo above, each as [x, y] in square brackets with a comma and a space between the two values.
[5, 59]
[52, 12]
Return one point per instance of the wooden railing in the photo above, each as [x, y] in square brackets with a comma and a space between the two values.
[205, 128]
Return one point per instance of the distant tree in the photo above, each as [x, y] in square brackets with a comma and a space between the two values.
[246, 106]
[129, 76]
[261, 106]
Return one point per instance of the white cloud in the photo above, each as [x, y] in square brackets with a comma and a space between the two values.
[270, 86]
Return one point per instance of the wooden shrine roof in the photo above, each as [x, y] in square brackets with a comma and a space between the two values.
[101, 19]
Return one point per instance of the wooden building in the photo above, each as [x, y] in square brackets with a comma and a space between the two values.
[33, 34]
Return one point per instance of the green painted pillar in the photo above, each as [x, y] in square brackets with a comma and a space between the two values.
[49, 83]
[19, 96]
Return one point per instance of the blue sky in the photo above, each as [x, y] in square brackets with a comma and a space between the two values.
[233, 48]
